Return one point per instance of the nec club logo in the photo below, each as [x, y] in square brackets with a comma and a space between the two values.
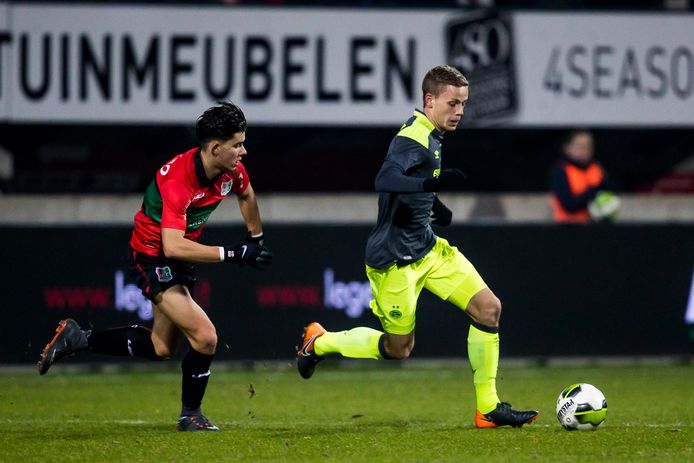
[226, 187]
[164, 274]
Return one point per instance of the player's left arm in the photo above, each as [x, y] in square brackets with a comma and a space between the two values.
[251, 215]
[248, 204]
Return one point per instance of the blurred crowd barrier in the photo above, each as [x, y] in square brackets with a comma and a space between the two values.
[329, 208]
[95, 97]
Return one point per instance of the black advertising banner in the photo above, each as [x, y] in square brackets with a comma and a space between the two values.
[575, 291]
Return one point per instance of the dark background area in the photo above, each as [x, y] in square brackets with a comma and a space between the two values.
[565, 290]
[123, 159]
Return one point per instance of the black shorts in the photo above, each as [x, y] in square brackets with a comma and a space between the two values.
[155, 274]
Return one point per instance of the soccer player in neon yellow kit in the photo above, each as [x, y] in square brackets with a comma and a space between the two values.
[403, 255]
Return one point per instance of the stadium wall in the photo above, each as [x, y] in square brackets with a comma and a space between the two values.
[314, 66]
[566, 290]
[335, 208]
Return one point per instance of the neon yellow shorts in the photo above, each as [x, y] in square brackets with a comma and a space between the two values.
[442, 271]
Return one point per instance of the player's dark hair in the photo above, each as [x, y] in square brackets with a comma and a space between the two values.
[439, 77]
[220, 122]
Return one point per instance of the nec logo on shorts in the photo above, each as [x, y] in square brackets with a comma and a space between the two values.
[164, 274]
[480, 45]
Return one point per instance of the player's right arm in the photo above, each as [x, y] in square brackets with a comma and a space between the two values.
[175, 201]
[403, 155]
[176, 198]
[176, 246]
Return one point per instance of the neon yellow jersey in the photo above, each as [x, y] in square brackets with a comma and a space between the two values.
[403, 232]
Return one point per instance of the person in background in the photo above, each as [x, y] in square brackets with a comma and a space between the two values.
[6, 170]
[579, 187]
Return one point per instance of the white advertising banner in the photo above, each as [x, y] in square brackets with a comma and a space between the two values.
[131, 64]
[605, 69]
[4, 62]
[151, 64]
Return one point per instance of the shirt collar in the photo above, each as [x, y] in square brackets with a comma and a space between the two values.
[424, 120]
[200, 171]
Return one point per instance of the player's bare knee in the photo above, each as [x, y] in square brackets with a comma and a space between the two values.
[162, 350]
[398, 347]
[400, 353]
[491, 312]
[206, 343]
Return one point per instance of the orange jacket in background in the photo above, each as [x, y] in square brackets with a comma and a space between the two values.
[573, 187]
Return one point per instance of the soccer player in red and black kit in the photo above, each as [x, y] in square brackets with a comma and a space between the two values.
[164, 247]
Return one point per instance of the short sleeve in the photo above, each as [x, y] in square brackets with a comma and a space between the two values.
[175, 201]
[241, 179]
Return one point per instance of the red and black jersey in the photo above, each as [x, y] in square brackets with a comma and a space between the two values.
[182, 197]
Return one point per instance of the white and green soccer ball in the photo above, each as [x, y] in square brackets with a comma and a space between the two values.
[605, 206]
[582, 407]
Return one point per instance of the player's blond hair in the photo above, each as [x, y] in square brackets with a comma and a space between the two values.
[439, 77]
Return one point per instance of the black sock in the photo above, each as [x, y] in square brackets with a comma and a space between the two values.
[135, 341]
[196, 373]
[382, 348]
[485, 328]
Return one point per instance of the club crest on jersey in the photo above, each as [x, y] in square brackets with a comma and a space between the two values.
[226, 187]
[164, 274]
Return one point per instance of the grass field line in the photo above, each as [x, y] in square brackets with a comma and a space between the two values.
[80, 421]
[278, 424]
[354, 364]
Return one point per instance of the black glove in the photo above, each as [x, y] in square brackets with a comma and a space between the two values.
[260, 239]
[448, 179]
[249, 252]
[440, 213]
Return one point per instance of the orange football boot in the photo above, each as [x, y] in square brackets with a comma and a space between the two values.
[504, 415]
[306, 357]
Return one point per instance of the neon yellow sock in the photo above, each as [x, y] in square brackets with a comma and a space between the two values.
[483, 351]
[359, 343]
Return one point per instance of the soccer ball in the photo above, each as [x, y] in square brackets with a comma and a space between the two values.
[605, 206]
[581, 407]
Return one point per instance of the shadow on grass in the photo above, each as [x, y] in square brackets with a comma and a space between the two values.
[366, 428]
[88, 432]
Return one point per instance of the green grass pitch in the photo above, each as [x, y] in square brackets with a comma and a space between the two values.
[414, 413]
